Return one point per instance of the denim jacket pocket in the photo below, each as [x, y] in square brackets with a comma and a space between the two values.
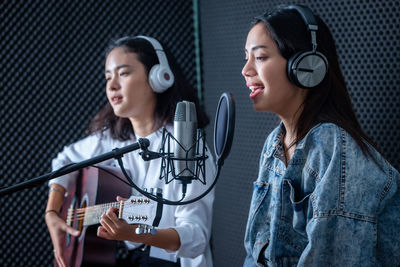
[259, 218]
[295, 207]
[259, 193]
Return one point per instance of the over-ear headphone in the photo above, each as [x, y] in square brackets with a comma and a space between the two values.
[307, 69]
[160, 76]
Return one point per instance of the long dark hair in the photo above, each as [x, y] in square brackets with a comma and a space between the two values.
[121, 128]
[329, 101]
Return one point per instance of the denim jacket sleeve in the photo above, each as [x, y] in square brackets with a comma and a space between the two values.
[356, 206]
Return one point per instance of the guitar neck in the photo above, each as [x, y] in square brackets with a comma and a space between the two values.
[135, 210]
[90, 215]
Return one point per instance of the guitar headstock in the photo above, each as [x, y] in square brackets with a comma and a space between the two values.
[138, 210]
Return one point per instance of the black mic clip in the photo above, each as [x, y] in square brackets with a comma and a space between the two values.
[145, 153]
[149, 155]
[144, 143]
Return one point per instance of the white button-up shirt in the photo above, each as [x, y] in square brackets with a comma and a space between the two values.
[191, 221]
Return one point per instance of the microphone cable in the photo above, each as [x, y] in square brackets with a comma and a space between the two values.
[167, 201]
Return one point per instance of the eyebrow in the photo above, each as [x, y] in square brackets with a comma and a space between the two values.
[258, 47]
[119, 67]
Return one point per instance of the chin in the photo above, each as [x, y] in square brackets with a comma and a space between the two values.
[258, 107]
[117, 113]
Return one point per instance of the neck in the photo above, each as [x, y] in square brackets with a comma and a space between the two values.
[143, 126]
[290, 122]
[290, 137]
[291, 129]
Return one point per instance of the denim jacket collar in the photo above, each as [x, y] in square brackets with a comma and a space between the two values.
[277, 149]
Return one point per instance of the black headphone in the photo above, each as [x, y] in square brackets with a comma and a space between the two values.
[307, 69]
[160, 76]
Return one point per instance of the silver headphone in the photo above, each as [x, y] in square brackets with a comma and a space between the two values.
[160, 76]
[307, 69]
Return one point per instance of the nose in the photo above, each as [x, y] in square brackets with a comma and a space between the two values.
[113, 83]
[248, 69]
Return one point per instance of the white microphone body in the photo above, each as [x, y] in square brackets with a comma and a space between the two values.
[185, 130]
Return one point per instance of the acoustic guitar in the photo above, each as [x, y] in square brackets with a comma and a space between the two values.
[95, 192]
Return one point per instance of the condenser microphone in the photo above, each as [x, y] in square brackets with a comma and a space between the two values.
[185, 129]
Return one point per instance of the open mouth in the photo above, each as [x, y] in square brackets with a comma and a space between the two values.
[255, 91]
[116, 99]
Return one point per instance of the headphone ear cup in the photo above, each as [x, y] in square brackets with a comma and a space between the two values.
[290, 72]
[307, 69]
[160, 78]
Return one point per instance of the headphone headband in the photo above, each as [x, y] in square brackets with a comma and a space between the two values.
[307, 15]
[156, 45]
[309, 19]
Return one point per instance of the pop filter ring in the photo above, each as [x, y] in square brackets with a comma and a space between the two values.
[222, 152]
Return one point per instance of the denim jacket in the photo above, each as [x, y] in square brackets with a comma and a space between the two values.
[331, 206]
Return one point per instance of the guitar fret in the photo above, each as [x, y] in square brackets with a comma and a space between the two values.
[93, 214]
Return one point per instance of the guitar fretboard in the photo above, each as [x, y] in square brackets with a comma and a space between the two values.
[90, 215]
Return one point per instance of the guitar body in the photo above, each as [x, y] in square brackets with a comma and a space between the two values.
[94, 186]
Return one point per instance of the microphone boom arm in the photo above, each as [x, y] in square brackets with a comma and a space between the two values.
[142, 143]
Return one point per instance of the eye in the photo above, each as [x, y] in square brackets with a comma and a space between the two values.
[123, 73]
[261, 58]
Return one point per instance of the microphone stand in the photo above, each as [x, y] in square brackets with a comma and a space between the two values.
[142, 143]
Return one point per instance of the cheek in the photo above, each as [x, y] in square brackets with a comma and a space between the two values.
[108, 91]
[277, 76]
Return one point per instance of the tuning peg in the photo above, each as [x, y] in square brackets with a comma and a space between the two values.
[150, 230]
[145, 229]
[139, 230]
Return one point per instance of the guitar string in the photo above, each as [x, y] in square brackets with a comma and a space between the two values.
[77, 214]
[80, 213]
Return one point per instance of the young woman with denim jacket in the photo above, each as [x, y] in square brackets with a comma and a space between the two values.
[324, 195]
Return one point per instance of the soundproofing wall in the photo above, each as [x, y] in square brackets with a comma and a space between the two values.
[367, 37]
[52, 83]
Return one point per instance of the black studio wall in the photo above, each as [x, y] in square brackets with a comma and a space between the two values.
[52, 83]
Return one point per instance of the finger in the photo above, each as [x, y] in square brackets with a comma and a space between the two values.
[119, 198]
[112, 213]
[59, 258]
[70, 230]
[102, 232]
[107, 223]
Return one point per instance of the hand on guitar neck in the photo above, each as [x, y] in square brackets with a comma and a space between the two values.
[113, 226]
[122, 226]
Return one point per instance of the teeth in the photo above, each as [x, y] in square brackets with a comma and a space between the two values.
[253, 87]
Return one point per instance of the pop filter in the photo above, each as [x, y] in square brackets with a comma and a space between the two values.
[224, 127]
